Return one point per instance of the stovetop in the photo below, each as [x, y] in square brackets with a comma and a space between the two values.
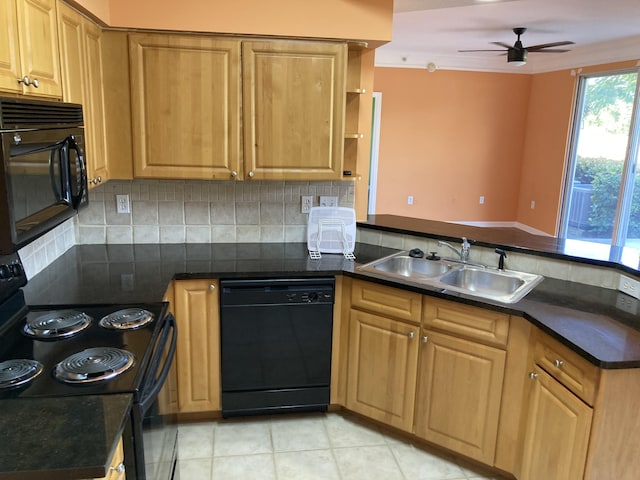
[15, 344]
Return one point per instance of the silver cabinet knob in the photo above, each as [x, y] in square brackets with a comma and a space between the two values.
[250, 174]
[234, 174]
[36, 83]
[533, 375]
[424, 339]
[558, 363]
[411, 335]
[212, 287]
[96, 180]
[25, 80]
[119, 468]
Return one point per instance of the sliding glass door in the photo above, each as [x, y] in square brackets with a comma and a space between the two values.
[601, 211]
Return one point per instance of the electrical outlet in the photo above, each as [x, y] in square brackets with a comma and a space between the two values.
[629, 286]
[627, 304]
[122, 204]
[533, 204]
[410, 200]
[307, 203]
[328, 201]
[481, 199]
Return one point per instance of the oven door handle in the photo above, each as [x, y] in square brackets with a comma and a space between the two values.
[148, 397]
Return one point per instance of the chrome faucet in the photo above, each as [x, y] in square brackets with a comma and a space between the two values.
[464, 249]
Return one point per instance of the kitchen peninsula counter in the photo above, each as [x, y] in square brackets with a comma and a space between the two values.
[592, 321]
[60, 438]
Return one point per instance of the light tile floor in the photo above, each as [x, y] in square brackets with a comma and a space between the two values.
[308, 447]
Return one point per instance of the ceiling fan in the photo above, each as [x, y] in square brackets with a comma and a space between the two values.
[517, 54]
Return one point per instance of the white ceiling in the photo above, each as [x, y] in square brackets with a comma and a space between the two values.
[433, 31]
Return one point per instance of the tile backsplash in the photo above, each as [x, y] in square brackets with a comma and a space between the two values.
[44, 250]
[186, 211]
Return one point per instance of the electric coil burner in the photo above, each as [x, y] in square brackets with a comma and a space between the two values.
[57, 324]
[94, 365]
[127, 319]
[14, 373]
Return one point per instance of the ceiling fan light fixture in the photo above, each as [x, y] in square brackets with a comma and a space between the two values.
[517, 57]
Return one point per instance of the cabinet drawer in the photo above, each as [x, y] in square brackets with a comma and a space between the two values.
[574, 372]
[386, 301]
[486, 326]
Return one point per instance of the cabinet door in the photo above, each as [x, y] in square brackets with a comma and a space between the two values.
[186, 106]
[9, 48]
[294, 97]
[458, 400]
[38, 39]
[383, 356]
[557, 432]
[71, 54]
[97, 170]
[198, 348]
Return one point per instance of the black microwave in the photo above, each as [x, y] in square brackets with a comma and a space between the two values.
[43, 178]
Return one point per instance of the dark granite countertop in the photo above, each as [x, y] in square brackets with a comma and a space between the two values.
[602, 325]
[60, 438]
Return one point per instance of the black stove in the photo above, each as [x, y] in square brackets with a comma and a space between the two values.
[71, 350]
[18, 344]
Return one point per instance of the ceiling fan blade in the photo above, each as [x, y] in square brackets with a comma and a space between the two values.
[548, 45]
[502, 44]
[555, 50]
[481, 50]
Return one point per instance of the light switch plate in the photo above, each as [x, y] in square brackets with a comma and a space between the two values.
[328, 201]
[306, 203]
[122, 204]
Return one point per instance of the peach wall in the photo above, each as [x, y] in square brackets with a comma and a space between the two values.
[543, 157]
[349, 19]
[448, 138]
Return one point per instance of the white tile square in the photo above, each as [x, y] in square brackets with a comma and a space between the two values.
[418, 464]
[244, 467]
[195, 440]
[309, 465]
[197, 469]
[367, 463]
[242, 438]
[344, 432]
[291, 434]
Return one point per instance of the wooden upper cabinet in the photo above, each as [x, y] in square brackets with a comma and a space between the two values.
[36, 56]
[185, 94]
[293, 106]
[94, 106]
[82, 82]
[9, 48]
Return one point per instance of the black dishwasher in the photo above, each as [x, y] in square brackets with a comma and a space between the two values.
[275, 345]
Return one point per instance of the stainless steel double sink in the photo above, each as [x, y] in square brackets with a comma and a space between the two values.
[507, 286]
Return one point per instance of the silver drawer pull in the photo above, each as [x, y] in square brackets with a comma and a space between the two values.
[533, 375]
[119, 468]
[411, 335]
[558, 363]
[424, 339]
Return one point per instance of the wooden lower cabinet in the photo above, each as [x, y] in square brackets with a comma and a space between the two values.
[198, 349]
[557, 432]
[383, 357]
[459, 394]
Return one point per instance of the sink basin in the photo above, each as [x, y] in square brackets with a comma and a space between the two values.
[503, 285]
[507, 286]
[407, 266]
